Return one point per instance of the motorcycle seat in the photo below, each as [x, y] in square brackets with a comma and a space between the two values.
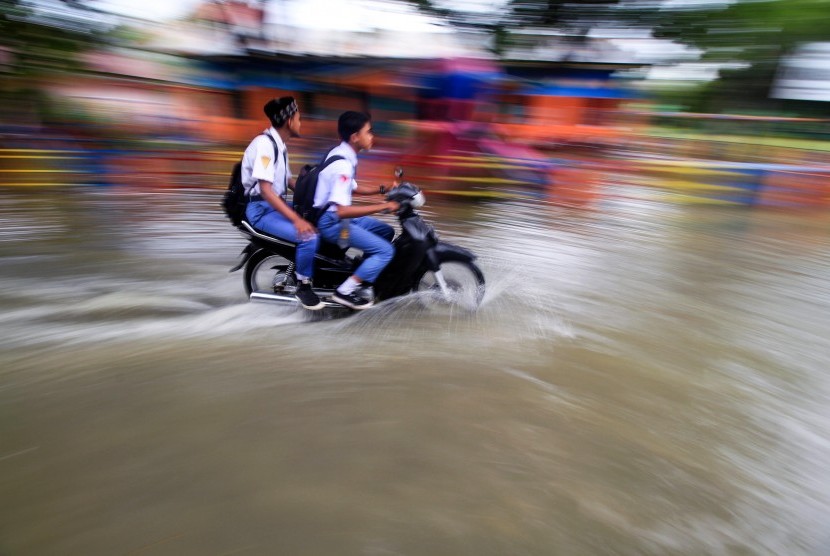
[246, 228]
[325, 249]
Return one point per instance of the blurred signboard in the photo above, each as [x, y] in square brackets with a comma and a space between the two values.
[805, 75]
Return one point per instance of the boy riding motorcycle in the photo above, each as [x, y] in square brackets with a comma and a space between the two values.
[351, 225]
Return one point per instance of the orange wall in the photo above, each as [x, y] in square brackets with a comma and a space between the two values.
[555, 110]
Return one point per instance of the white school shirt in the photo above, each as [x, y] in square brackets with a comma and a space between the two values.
[260, 162]
[336, 182]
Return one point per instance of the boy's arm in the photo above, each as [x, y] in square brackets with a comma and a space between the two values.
[304, 228]
[355, 211]
[371, 189]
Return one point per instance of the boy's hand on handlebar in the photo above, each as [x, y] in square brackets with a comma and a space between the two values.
[391, 206]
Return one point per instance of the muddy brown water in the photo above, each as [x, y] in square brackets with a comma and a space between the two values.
[642, 378]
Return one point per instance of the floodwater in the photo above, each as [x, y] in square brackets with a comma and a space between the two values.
[642, 378]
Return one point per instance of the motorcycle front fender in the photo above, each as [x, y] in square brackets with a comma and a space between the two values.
[443, 251]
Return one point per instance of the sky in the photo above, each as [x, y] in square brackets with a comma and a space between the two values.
[148, 9]
[318, 13]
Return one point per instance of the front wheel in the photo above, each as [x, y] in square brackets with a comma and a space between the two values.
[456, 283]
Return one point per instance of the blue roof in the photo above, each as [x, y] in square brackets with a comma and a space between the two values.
[579, 92]
[275, 82]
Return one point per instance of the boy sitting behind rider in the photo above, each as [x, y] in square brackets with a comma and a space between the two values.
[352, 224]
[266, 175]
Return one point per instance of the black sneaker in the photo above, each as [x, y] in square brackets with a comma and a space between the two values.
[351, 300]
[307, 297]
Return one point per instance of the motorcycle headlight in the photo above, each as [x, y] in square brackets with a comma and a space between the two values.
[418, 200]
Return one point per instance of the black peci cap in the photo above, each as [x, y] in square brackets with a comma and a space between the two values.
[279, 110]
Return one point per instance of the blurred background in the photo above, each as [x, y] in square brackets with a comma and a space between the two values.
[721, 102]
[646, 184]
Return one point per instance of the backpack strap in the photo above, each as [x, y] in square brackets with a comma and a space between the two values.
[325, 163]
[330, 160]
[284, 159]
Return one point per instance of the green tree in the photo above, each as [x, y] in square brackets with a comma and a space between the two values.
[749, 37]
[755, 34]
[573, 18]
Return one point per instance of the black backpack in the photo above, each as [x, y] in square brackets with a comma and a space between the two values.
[235, 201]
[306, 186]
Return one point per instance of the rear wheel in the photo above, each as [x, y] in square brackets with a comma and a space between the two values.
[265, 272]
[458, 283]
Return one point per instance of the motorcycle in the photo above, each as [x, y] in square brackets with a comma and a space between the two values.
[435, 270]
